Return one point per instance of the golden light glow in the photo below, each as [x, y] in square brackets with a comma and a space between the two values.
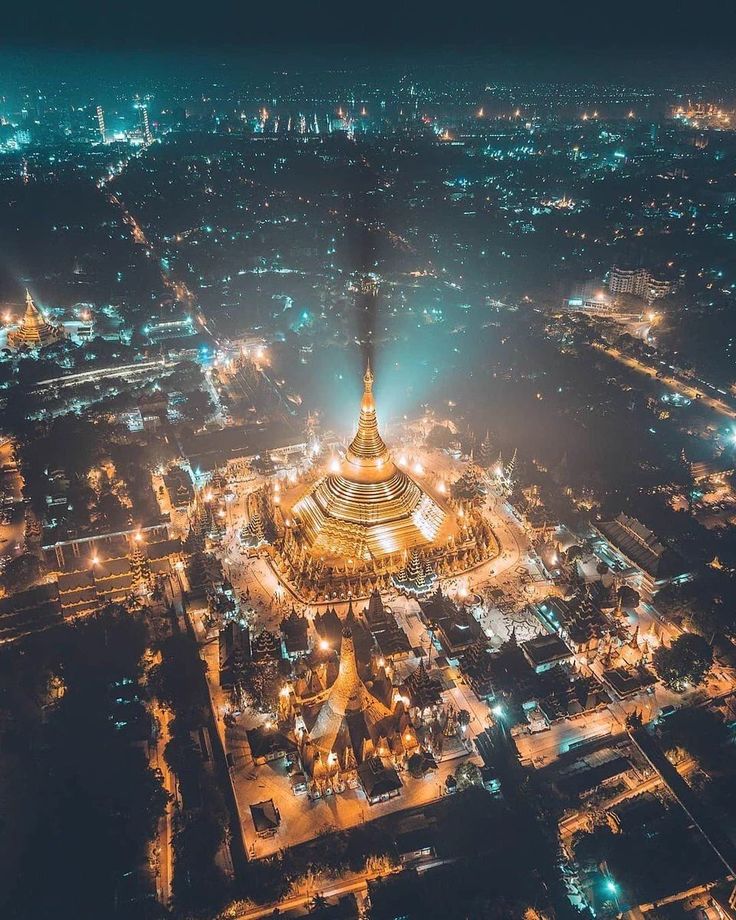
[367, 506]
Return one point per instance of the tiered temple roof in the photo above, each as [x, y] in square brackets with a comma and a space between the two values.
[469, 486]
[418, 577]
[424, 691]
[265, 646]
[456, 626]
[390, 638]
[348, 725]
[253, 534]
[295, 629]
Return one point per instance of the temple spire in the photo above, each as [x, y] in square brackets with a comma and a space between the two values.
[34, 331]
[367, 447]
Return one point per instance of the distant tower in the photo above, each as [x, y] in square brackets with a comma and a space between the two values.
[145, 125]
[101, 124]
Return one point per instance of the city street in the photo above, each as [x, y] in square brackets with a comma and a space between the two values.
[12, 533]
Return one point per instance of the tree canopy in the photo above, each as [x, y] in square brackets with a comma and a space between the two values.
[687, 660]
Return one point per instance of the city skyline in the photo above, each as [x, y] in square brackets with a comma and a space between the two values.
[368, 463]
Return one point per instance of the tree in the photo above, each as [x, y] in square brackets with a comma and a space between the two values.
[91, 802]
[706, 621]
[628, 597]
[197, 406]
[111, 508]
[468, 774]
[20, 573]
[702, 732]
[687, 660]
[440, 437]
[317, 903]
[179, 678]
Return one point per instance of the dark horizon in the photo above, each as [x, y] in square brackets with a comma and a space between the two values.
[538, 26]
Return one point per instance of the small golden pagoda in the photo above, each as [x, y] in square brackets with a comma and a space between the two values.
[34, 330]
[367, 507]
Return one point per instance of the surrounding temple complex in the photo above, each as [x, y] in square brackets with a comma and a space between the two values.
[365, 522]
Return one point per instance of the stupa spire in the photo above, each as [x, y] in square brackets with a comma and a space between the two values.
[34, 331]
[367, 445]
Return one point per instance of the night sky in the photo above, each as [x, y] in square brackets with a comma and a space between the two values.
[409, 25]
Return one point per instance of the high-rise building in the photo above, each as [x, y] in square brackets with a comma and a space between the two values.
[101, 124]
[628, 281]
[637, 282]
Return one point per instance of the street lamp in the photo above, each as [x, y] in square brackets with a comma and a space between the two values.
[612, 888]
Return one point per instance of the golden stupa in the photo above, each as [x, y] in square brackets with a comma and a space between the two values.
[34, 330]
[367, 507]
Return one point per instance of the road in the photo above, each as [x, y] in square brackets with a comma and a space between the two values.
[12, 534]
[710, 823]
[127, 371]
[164, 840]
[354, 884]
[545, 747]
[580, 820]
[686, 387]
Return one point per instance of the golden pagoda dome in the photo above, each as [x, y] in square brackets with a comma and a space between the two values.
[367, 507]
[34, 331]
